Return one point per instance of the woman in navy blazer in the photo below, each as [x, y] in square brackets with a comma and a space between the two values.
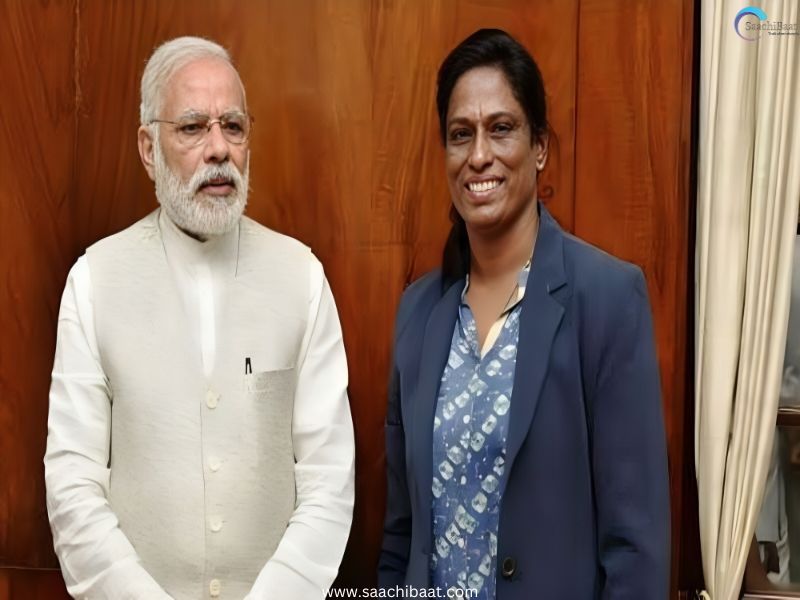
[558, 488]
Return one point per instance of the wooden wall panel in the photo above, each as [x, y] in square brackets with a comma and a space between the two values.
[37, 137]
[345, 154]
[345, 157]
[32, 584]
[408, 219]
[633, 153]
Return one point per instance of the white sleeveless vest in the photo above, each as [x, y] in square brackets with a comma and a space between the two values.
[202, 469]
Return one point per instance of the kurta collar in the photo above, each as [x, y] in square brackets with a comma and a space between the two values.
[219, 251]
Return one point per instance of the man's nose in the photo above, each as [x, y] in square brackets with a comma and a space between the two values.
[217, 148]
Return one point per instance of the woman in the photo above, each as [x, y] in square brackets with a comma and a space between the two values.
[524, 437]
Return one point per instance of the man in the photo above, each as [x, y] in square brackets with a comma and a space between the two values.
[200, 443]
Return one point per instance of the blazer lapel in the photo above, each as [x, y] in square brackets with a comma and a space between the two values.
[540, 316]
[434, 352]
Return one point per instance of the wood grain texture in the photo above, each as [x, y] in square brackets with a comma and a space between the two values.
[632, 178]
[37, 137]
[346, 158]
[410, 201]
[32, 584]
[345, 154]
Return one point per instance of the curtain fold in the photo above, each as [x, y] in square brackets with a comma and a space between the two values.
[747, 208]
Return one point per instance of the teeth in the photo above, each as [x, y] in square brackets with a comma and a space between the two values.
[483, 186]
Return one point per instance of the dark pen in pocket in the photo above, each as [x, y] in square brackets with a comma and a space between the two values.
[248, 368]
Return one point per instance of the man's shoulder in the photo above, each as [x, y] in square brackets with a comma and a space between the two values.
[261, 234]
[262, 239]
[144, 228]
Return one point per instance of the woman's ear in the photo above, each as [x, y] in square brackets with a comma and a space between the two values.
[542, 147]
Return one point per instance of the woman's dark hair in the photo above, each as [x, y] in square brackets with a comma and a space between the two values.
[486, 48]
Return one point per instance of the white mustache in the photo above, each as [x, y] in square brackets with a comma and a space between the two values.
[205, 175]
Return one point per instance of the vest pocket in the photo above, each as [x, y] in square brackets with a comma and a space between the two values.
[266, 422]
[278, 382]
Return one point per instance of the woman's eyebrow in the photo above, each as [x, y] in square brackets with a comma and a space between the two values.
[490, 117]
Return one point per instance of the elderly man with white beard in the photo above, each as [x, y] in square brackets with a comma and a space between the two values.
[200, 443]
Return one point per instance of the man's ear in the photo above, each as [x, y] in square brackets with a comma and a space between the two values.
[542, 148]
[147, 150]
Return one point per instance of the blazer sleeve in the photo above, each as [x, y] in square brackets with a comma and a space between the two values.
[393, 559]
[629, 453]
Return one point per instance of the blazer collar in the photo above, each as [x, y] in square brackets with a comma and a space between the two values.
[540, 317]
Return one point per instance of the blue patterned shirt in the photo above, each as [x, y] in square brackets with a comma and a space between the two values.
[469, 448]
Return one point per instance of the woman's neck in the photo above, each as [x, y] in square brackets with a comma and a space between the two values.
[496, 255]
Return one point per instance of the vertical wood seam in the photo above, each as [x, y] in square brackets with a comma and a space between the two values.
[77, 98]
[576, 90]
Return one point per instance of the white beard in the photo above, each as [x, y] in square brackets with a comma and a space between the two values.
[192, 210]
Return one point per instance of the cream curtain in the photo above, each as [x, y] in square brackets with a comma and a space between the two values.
[747, 208]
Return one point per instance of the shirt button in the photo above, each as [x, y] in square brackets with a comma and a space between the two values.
[216, 524]
[212, 399]
[214, 464]
[214, 587]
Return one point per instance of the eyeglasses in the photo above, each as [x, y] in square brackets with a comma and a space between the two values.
[193, 129]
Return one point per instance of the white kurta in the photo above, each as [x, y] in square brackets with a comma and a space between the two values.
[96, 555]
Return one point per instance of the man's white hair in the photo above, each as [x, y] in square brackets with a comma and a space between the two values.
[165, 61]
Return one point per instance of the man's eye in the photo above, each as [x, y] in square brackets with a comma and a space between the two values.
[191, 128]
[233, 127]
[502, 128]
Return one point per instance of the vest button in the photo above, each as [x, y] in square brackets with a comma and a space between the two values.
[509, 567]
[216, 524]
[214, 464]
[214, 587]
[212, 399]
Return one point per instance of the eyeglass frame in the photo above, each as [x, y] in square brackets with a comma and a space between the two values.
[210, 124]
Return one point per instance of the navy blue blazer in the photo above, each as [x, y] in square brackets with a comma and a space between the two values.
[585, 513]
